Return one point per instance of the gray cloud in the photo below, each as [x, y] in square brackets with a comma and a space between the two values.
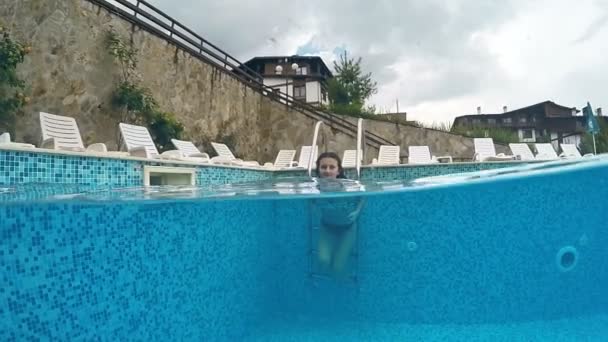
[593, 29]
[434, 38]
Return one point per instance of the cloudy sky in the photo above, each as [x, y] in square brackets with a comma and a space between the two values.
[438, 58]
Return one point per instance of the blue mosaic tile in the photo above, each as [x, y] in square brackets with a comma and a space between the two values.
[18, 167]
[219, 175]
[212, 270]
[133, 272]
[409, 172]
[468, 254]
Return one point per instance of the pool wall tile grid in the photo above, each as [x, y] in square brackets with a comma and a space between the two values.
[217, 175]
[460, 256]
[412, 172]
[77, 271]
[26, 168]
[23, 168]
[134, 272]
[407, 172]
[17, 167]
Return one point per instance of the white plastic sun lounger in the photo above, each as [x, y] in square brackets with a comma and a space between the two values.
[485, 151]
[61, 133]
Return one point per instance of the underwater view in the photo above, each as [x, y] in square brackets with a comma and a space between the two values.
[511, 254]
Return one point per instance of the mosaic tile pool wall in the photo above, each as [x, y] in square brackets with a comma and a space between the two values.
[211, 270]
[17, 167]
[482, 253]
[190, 271]
[409, 172]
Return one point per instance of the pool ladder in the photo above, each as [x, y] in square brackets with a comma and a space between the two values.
[314, 271]
[359, 149]
[314, 222]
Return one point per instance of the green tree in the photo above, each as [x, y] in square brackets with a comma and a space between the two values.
[601, 139]
[12, 97]
[350, 88]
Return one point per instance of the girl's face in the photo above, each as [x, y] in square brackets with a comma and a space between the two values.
[328, 168]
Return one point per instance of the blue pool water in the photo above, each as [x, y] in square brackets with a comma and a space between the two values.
[512, 254]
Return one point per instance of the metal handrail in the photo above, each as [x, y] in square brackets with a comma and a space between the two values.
[359, 148]
[312, 147]
[203, 49]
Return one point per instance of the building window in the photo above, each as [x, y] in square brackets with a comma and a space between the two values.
[527, 135]
[302, 71]
[491, 121]
[506, 120]
[476, 121]
[299, 92]
[522, 119]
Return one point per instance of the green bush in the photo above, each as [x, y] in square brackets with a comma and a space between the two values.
[12, 88]
[135, 103]
[163, 127]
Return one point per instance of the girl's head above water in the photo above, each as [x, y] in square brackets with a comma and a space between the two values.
[329, 165]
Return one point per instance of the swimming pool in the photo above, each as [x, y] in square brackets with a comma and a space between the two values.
[511, 255]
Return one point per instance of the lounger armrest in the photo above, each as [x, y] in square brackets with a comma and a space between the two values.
[138, 151]
[221, 160]
[567, 155]
[199, 155]
[97, 147]
[250, 163]
[5, 138]
[586, 155]
[48, 143]
[172, 154]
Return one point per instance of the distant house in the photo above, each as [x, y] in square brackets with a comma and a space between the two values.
[302, 77]
[543, 121]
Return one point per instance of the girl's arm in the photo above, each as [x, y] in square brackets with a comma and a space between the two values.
[353, 216]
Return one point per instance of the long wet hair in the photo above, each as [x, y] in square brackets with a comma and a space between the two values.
[332, 155]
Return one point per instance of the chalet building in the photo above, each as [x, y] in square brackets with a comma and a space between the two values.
[302, 77]
[545, 121]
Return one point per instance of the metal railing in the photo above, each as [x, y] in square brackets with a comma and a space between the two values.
[313, 147]
[359, 148]
[155, 21]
